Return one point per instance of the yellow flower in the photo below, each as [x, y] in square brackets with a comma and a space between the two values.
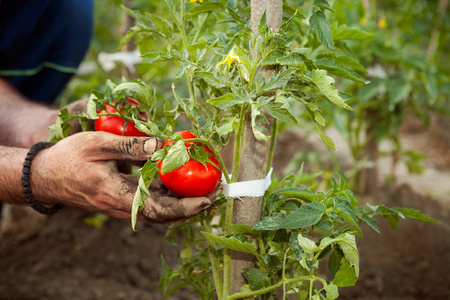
[382, 23]
[230, 58]
[193, 1]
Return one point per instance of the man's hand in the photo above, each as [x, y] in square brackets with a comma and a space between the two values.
[81, 171]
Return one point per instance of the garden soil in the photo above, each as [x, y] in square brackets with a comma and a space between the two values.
[61, 257]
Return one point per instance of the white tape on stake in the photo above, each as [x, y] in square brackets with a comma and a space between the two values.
[251, 188]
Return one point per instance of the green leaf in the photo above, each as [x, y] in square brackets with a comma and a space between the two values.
[232, 243]
[148, 172]
[323, 4]
[278, 80]
[299, 193]
[304, 216]
[235, 16]
[347, 242]
[151, 57]
[398, 89]
[319, 23]
[270, 222]
[91, 109]
[346, 276]
[215, 80]
[325, 138]
[334, 262]
[256, 278]
[332, 291]
[369, 220]
[307, 245]
[293, 60]
[225, 101]
[416, 215]
[332, 66]
[175, 158]
[343, 32]
[257, 114]
[205, 7]
[279, 111]
[325, 85]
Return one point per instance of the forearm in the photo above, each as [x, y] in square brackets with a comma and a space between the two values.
[11, 164]
[20, 119]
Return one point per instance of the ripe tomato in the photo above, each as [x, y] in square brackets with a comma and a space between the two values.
[192, 179]
[117, 125]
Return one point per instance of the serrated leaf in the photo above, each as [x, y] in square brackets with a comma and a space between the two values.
[215, 80]
[256, 278]
[415, 214]
[175, 158]
[181, 69]
[232, 243]
[299, 193]
[319, 23]
[304, 216]
[278, 80]
[91, 108]
[332, 66]
[151, 57]
[347, 242]
[256, 115]
[279, 111]
[325, 138]
[225, 101]
[270, 222]
[307, 245]
[148, 172]
[325, 85]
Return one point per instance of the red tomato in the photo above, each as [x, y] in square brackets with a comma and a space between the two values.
[117, 125]
[192, 179]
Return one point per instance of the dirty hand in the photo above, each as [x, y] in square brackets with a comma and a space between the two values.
[81, 171]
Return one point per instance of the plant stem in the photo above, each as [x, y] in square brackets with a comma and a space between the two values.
[239, 138]
[272, 144]
[213, 258]
[272, 287]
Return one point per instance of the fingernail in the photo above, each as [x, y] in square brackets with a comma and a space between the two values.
[150, 146]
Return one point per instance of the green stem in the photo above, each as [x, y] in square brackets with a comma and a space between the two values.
[272, 144]
[197, 34]
[213, 258]
[273, 287]
[238, 142]
[284, 273]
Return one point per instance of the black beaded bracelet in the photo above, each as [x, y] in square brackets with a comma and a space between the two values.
[26, 187]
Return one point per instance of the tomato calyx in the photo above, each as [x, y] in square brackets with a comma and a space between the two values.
[187, 166]
[177, 152]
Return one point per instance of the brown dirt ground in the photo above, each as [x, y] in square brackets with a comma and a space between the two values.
[62, 258]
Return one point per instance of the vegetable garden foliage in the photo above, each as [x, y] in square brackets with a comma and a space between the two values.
[409, 75]
[213, 48]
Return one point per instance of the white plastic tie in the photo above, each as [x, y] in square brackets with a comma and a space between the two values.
[251, 188]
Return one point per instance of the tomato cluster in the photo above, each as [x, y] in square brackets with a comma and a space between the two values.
[193, 179]
[117, 125]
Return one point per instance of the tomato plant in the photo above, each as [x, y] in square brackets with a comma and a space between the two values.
[109, 122]
[194, 178]
[223, 53]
